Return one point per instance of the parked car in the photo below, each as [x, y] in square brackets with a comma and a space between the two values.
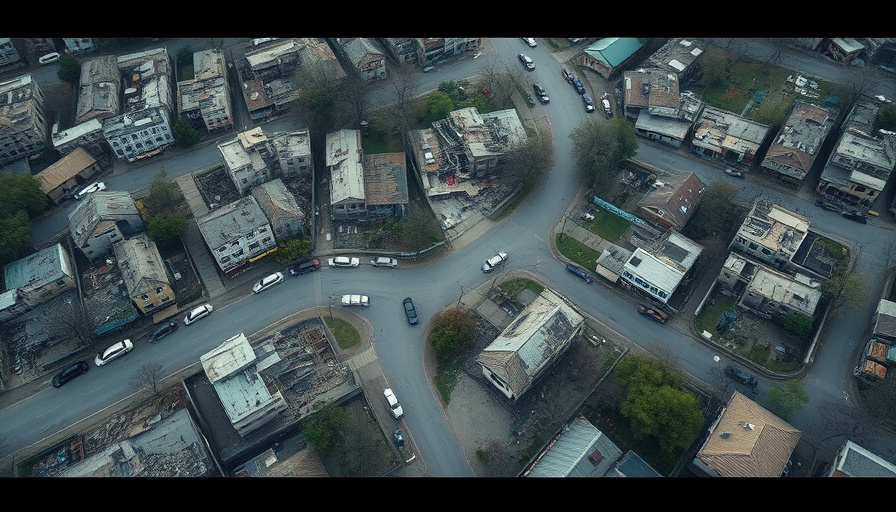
[161, 331]
[48, 58]
[605, 103]
[343, 261]
[530, 41]
[114, 352]
[653, 313]
[384, 261]
[856, 216]
[427, 69]
[392, 401]
[579, 271]
[267, 282]
[541, 92]
[589, 103]
[305, 266]
[578, 85]
[527, 61]
[410, 311]
[493, 262]
[355, 300]
[567, 75]
[734, 174]
[828, 205]
[198, 313]
[70, 372]
[741, 375]
[93, 187]
[529, 99]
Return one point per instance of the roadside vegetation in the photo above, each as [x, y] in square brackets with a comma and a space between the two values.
[345, 333]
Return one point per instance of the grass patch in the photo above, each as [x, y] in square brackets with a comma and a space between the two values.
[576, 251]
[608, 226]
[514, 286]
[759, 354]
[712, 311]
[446, 378]
[346, 335]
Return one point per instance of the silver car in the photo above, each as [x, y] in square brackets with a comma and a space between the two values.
[267, 282]
[493, 262]
[197, 313]
[383, 261]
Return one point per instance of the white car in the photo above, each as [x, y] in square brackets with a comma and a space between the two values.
[393, 403]
[530, 41]
[197, 313]
[355, 300]
[343, 261]
[114, 352]
[493, 262]
[267, 282]
[93, 187]
[48, 58]
[383, 261]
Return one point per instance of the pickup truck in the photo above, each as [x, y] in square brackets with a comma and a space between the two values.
[656, 314]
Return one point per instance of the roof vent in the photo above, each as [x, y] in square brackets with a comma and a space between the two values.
[725, 435]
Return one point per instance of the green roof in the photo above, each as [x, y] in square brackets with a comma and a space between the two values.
[613, 51]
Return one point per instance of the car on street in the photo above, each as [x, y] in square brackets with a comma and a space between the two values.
[343, 261]
[410, 311]
[427, 69]
[741, 375]
[578, 85]
[355, 300]
[493, 262]
[579, 271]
[392, 401]
[48, 58]
[93, 187]
[527, 61]
[735, 174]
[163, 330]
[304, 267]
[605, 103]
[541, 92]
[198, 313]
[589, 103]
[567, 75]
[70, 372]
[653, 313]
[856, 216]
[266, 282]
[384, 261]
[530, 41]
[113, 352]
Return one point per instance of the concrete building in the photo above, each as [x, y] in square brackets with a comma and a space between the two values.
[293, 153]
[657, 268]
[796, 145]
[727, 137]
[41, 276]
[205, 100]
[23, 127]
[248, 159]
[144, 274]
[288, 220]
[67, 175]
[87, 136]
[101, 219]
[767, 292]
[237, 234]
[770, 234]
[99, 89]
[344, 161]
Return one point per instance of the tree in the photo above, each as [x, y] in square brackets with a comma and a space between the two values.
[147, 376]
[797, 325]
[670, 416]
[324, 426]
[21, 192]
[886, 117]
[528, 166]
[73, 319]
[15, 237]
[184, 134]
[405, 83]
[787, 399]
[438, 105]
[845, 289]
[599, 148]
[714, 215]
[163, 194]
[166, 228]
[419, 229]
[69, 69]
[452, 331]
[292, 250]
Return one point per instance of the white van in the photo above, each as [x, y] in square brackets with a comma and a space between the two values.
[48, 58]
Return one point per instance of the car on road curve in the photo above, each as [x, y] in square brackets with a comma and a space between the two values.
[70, 372]
[304, 267]
[392, 401]
[93, 187]
[384, 261]
[198, 313]
[343, 261]
[163, 330]
[527, 61]
[493, 262]
[113, 352]
[733, 173]
[741, 375]
[266, 282]
[355, 300]
[410, 311]
[579, 271]
[856, 216]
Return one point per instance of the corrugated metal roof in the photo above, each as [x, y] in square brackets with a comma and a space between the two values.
[580, 450]
[613, 51]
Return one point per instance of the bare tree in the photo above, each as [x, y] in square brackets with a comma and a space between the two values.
[74, 319]
[405, 86]
[529, 165]
[148, 376]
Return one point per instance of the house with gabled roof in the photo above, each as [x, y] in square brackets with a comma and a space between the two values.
[671, 202]
[367, 58]
[101, 219]
[67, 174]
[282, 210]
[579, 450]
[530, 345]
[385, 185]
[345, 163]
[746, 440]
[795, 146]
[144, 274]
[41, 276]
[609, 55]
[853, 460]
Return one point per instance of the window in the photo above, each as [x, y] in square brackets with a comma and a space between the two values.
[158, 290]
[753, 246]
[766, 251]
[144, 297]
